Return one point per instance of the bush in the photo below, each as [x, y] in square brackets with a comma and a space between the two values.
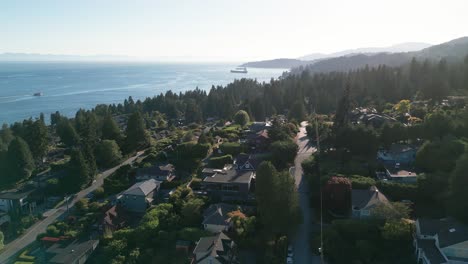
[231, 148]
[52, 231]
[24, 257]
[283, 153]
[219, 162]
[99, 193]
[398, 191]
[361, 182]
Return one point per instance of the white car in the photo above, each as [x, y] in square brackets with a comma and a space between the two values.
[289, 260]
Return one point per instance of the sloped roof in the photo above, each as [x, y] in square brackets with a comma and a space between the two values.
[143, 188]
[68, 253]
[215, 249]
[243, 158]
[229, 176]
[449, 230]
[217, 214]
[115, 216]
[431, 251]
[367, 199]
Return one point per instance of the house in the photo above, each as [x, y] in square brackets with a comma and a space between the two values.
[114, 219]
[370, 116]
[439, 241]
[246, 162]
[209, 172]
[16, 200]
[363, 201]
[400, 174]
[76, 252]
[216, 217]
[259, 140]
[216, 249]
[229, 184]
[397, 153]
[158, 172]
[140, 196]
[256, 127]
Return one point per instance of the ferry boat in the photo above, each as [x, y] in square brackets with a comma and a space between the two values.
[239, 70]
[38, 94]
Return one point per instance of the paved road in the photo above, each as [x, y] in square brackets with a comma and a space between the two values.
[301, 240]
[12, 248]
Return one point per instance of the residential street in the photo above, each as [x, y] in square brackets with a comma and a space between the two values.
[30, 235]
[301, 241]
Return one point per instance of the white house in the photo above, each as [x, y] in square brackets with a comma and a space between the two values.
[440, 241]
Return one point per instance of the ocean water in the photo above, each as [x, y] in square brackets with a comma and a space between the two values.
[69, 86]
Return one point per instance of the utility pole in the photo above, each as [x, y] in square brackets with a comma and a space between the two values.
[66, 200]
[317, 138]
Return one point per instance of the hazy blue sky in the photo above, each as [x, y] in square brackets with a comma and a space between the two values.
[223, 29]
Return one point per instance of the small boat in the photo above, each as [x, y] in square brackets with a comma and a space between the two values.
[239, 70]
[38, 94]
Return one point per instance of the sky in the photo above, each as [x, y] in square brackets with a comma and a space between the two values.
[223, 30]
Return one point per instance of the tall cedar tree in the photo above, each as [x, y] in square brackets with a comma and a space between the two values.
[277, 200]
[136, 133]
[110, 129]
[38, 139]
[342, 111]
[20, 160]
[78, 172]
[67, 133]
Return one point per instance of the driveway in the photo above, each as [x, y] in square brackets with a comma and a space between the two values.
[14, 247]
[301, 240]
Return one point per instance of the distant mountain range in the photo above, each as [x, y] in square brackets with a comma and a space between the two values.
[358, 58]
[403, 47]
[54, 57]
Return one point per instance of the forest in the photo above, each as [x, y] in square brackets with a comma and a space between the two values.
[24, 144]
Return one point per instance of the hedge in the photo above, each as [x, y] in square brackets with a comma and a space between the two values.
[219, 162]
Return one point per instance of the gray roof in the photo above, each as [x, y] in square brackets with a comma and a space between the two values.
[431, 251]
[143, 188]
[68, 253]
[367, 199]
[217, 247]
[449, 231]
[243, 158]
[14, 194]
[231, 176]
[217, 214]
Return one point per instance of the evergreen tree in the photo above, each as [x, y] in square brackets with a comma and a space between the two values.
[137, 136]
[38, 139]
[342, 111]
[78, 172]
[67, 133]
[20, 160]
[277, 199]
[241, 118]
[108, 154]
[458, 194]
[110, 129]
[298, 111]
